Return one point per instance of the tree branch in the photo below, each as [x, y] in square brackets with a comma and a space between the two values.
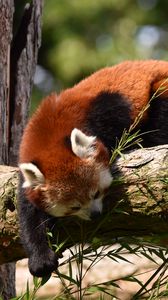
[137, 204]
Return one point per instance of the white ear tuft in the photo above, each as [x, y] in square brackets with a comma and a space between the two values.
[32, 175]
[82, 144]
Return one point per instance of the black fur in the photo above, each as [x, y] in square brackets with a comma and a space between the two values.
[157, 123]
[34, 224]
[109, 114]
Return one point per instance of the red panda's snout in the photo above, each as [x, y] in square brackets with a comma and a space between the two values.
[80, 192]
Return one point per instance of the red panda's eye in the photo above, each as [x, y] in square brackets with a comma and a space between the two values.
[96, 195]
[75, 208]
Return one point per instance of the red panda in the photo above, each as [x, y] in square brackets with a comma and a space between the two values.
[65, 149]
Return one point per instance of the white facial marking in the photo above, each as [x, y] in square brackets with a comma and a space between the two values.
[60, 211]
[82, 144]
[105, 179]
[84, 214]
[32, 175]
[57, 210]
[97, 205]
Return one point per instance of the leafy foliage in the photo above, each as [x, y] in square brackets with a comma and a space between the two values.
[80, 37]
[72, 282]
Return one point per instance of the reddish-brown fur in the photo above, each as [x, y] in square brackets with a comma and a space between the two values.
[67, 171]
[58, 115]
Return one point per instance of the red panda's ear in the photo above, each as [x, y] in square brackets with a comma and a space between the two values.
[31, 174]
[161, 88]
[82, 144]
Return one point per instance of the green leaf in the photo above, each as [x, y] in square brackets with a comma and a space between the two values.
[70, 279]
[50, 234]
[27, 294]
[45, 279]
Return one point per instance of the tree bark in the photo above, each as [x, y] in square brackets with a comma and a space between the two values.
[6, 23]
[137, 205]
[18, 58]
[7, 281]
[7, 271]
[24, 53]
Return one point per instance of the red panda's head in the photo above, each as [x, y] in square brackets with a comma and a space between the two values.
[78, 191]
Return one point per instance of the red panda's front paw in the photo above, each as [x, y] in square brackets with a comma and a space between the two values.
[43, 264]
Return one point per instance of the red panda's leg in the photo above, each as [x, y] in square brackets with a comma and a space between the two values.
[157, 121]
[108, 116]
[156, 128]
[33, 224]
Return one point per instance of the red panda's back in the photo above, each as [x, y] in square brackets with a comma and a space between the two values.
[58, 115]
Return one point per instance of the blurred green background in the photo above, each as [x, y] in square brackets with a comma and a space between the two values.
[81, 36]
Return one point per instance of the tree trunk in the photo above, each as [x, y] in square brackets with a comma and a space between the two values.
[7, 271]
[24, 53]
[6, 23]
[18, 58]
[137, 205]
[7, 281]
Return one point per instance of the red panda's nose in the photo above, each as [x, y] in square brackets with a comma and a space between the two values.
[95, 214]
